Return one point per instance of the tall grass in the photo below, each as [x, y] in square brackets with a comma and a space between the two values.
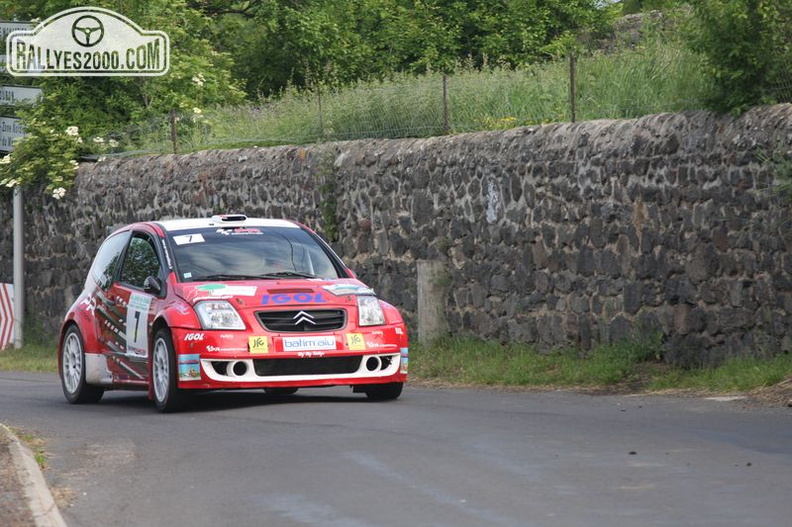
[633, 365]
[657, 76]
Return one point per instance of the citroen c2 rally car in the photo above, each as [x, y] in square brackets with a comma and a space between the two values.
[229, 302]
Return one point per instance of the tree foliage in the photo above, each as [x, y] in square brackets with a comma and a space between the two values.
[335, 42]
[748, 46]
[199, 76]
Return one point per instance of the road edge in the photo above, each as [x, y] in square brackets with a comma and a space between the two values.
[39, 498]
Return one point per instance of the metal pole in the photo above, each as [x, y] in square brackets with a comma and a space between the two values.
[446, 125]
[19, 274]
[572, 96]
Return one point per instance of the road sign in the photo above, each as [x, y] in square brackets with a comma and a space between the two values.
[6, 315]
[11, 95]
[10, 129]
[6, 28]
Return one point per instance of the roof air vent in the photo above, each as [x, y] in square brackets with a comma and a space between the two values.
[226, 218]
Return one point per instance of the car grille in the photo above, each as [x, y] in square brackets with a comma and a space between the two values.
[313, 366]
[301, 321]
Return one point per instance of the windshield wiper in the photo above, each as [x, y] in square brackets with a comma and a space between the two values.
[288, 274]
[221, 276]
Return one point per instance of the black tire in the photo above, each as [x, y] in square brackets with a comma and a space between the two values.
[280, 391]
[72, 371]
[164, 374]
[384, 392]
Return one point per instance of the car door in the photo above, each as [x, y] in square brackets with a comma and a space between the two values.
[135, 308]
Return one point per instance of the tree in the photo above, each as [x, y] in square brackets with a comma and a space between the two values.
[199, 77]
[748, 48]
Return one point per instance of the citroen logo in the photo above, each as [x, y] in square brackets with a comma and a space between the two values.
[303, 317]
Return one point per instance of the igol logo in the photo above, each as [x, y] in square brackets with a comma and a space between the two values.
[298, 298]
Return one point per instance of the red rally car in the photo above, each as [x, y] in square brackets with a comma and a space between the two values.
[228, 302]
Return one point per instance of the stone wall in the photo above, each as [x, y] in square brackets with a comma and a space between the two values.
[564, 234]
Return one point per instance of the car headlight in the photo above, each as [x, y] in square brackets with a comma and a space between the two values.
[370, 311]
[218, 314]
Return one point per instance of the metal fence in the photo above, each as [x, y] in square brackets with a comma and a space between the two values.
[639, 83]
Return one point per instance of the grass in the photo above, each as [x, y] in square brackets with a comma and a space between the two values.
[35, 444]
[36, 357]
[633, 366]
[623, 366]
[660, 75]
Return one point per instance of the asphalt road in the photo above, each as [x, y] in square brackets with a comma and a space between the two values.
[436, 457]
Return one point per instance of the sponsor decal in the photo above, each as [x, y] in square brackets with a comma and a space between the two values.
[90, 304]
[87, 41]
[137, 325]
[182, 308]
[297, 298]
[194, 337]
[348, 289]
[258, 344]
[189, 367]
[185, 239]
[166, 253]
[216, 349]
[228, 290]
[242, 231]
[309, 343]
[405, 359]
[310, 354]
[355, 342]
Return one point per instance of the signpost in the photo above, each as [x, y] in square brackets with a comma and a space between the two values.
[6, 315]
[10, 129]
[6, 27]
[11, 95]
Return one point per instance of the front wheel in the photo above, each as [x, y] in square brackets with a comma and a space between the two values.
[168, 397]
[384, 392]
[72, 373]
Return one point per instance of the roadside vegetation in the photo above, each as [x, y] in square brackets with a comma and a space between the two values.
[260, 73]
[631, 366]
[625, 367]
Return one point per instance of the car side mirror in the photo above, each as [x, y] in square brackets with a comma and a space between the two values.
[152, 285]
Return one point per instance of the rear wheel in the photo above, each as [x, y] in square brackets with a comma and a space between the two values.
[384, 392]
[164, 374]
[72, 351]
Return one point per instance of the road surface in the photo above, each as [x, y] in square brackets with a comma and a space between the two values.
[435, 457]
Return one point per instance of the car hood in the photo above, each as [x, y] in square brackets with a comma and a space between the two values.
[273, 293]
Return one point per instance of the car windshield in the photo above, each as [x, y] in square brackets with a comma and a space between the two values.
[241, 253]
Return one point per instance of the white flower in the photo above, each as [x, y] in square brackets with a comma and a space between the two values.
[198, 80]
[73, 131]
[98, 140]
[197, 111]
[75, 165]
[5, 159]
[113, 143]
[58, 193]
